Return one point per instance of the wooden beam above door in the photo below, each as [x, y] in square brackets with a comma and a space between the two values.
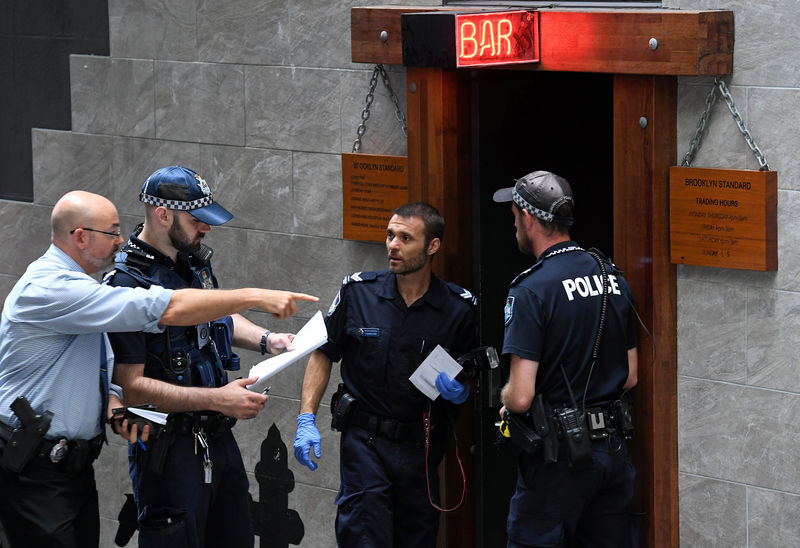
[688, 43]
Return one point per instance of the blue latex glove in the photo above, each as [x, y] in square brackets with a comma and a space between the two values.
[306, 437]
[451, 390]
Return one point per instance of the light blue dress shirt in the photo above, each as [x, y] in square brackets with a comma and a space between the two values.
[53, 323]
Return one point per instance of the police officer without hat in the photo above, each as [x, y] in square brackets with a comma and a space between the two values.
[382, 325]
[193, 477]
[558, 349]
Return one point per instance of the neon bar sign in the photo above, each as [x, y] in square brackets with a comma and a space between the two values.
[497, 38]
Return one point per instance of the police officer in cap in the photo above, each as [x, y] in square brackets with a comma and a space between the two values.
[578, 349]
[189, 484]
[381, 326]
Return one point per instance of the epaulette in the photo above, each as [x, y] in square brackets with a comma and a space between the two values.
[359, 277]
[463, 293]
[525, 273]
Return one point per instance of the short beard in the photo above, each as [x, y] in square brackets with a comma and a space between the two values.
[410, 266]
[99, 264]
[179, 239]
[524, 244]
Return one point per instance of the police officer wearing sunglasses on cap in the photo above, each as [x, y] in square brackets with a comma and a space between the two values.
[570, 335]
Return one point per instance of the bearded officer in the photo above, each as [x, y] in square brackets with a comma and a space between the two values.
[578, 349]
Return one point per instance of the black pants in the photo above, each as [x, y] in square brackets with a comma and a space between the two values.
[43, 507]
[554, 507]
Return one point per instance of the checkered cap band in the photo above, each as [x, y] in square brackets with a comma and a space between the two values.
[530, 208]
[176, 204]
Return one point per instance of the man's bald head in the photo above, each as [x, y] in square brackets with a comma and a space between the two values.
[80, 209]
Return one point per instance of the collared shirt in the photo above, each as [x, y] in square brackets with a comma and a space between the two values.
[51, 333]
[381, 341]
[552, 315]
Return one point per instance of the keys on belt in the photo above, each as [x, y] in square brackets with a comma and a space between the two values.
[201, 438]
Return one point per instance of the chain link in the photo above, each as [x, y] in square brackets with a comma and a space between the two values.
[398, 112]
[694, 146]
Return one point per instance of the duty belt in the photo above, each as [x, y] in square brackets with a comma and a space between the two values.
[392, 429]
[212, 423]
[73, 454]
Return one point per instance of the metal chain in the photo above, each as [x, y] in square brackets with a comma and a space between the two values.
[719, 84]
[701, 126]
[398, 113]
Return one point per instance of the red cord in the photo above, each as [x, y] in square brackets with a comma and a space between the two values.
[427, 420]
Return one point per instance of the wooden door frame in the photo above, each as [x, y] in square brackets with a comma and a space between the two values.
[690, 43]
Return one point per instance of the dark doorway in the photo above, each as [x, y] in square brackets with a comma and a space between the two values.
[525, 121]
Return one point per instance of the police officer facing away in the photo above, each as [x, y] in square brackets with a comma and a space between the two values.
[54, 353]
[382, 325]
[552, 324]
[190, 484]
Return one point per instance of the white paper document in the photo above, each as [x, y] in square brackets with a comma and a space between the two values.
[438, 361]
[310, 337]
[153, 416]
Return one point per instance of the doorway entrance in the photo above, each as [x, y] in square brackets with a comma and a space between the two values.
[521, 122]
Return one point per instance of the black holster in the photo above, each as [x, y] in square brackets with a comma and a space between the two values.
[343, 405]
[24, 442]
[534, 432]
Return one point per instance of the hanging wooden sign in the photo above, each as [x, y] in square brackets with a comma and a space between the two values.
[373, 186]
[724, 217]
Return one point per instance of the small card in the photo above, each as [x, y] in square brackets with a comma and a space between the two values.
[424, 378]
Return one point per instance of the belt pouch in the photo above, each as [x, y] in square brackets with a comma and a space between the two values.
[343, 405]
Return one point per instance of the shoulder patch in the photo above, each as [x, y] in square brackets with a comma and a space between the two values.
[463, 293]
[359, 277]
[525, 273]
[508, 310]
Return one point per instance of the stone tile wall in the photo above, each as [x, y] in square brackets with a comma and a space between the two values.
[738, 387]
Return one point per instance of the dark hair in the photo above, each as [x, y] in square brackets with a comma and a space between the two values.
[564, 210]
[434, 222]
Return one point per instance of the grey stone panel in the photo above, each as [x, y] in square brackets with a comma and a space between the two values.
[787, 277]
[320, 33]
[153, 29]
[252, 183]
[135, 159]
[713, 514]
[773, 321]
[112, 96]
[775, 132]
[767, 43]
[318, 512]
[293, 109]
[310, 264]
[283, 413]
[66, 161]
[772, 518]
[384, 133]
[6, 283]
[26, 236]
[247, 31]
[128, 222]
[200, 102]
[712, 331]
[738, 433]
[317, 195]
[723, 145]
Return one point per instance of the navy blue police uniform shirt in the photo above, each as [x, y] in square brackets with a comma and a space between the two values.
[551, 317]
[381, 341]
